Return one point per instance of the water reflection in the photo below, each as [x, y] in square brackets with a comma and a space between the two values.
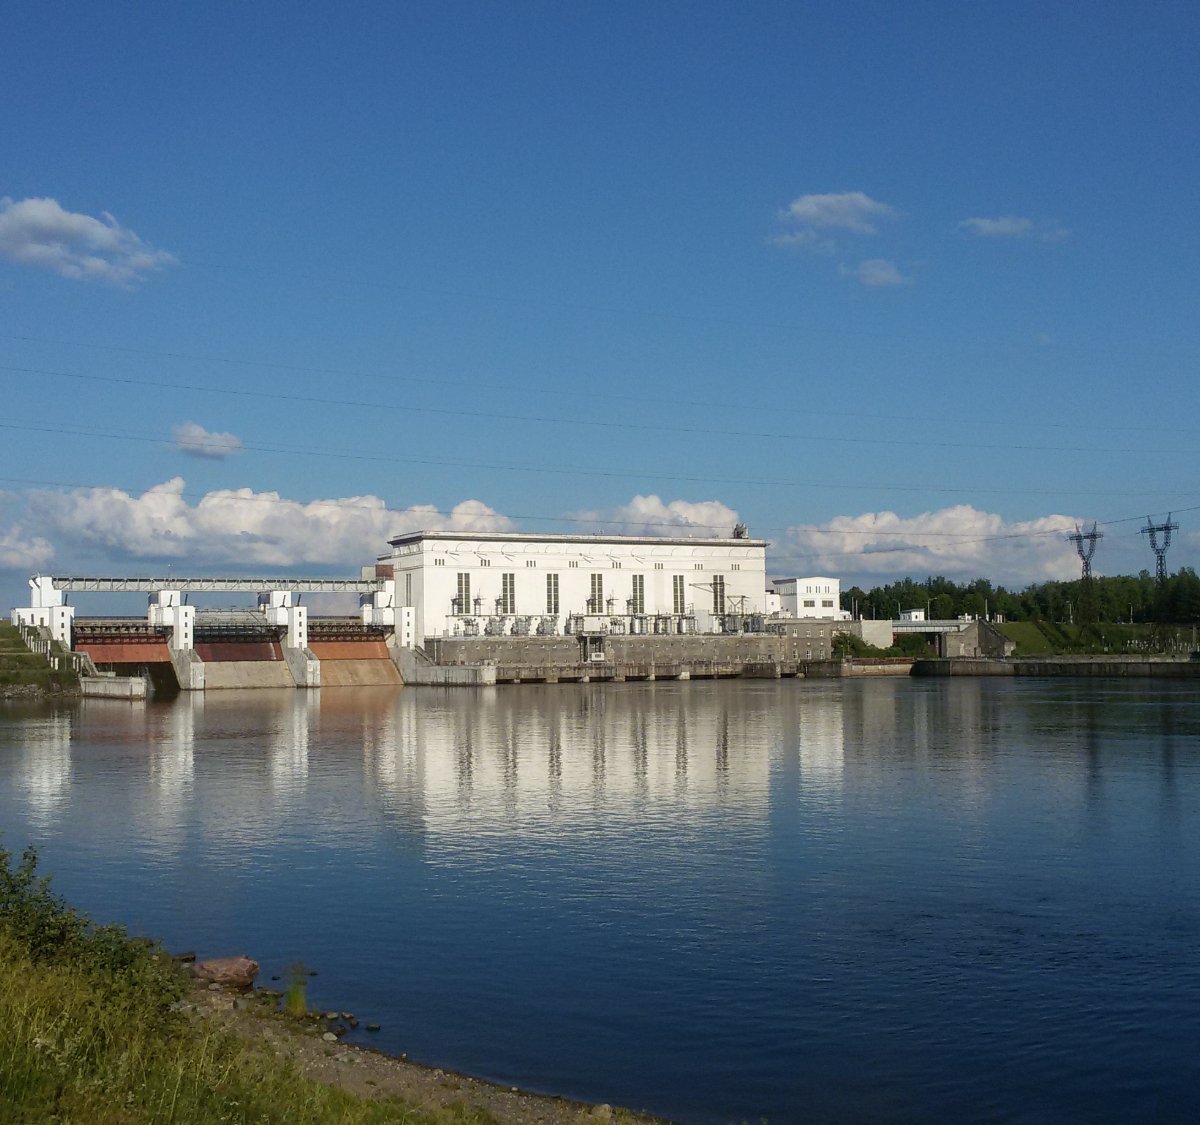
[241, 766]
[876, 900]
[45, 774]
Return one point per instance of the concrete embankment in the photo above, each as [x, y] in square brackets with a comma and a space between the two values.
[1128, 666]
[221, 674]
[358, 673]
[112, 687]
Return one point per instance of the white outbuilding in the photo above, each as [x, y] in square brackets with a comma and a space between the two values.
[811, 598]
[516, 584]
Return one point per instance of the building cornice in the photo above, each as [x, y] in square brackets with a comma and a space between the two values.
[410, 537]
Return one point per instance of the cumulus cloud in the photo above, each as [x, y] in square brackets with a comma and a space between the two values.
[1014, 226]
[960, 542]
[40, 232]
[877, 273]
[849, 210]
[240, 527]
[194, 440]
[650, 515]
[21, 552]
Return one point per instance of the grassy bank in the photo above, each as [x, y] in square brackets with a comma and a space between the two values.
[20, 668]
[90, 1032]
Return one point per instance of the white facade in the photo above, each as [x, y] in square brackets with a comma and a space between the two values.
[505, 583]
[811, 597]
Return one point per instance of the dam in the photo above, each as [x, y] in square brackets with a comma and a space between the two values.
[275, 643]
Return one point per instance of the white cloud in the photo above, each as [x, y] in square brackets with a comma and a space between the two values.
[959, 542]
[194, 440]
[877, 273]
[649, 515]
[849, 210]
[240, 527]
[39, 232]
[1014, 226]
[18, 552]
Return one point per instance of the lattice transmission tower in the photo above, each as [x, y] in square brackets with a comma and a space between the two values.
[1160, 547]
[1085, 544]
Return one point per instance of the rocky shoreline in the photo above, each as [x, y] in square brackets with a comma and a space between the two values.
[222, 991]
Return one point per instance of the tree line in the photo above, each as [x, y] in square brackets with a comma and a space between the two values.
[1120, 598]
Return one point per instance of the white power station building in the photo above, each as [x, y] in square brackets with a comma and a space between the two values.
[511, 584]
[811, 597]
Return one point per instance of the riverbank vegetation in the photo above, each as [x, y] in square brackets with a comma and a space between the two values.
[1122, 613]
[93, 1029]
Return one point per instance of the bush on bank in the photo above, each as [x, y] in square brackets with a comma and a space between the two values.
[88, 1032]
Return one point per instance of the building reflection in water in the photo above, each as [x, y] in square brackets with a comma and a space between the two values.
[44, 767]
[243, 768]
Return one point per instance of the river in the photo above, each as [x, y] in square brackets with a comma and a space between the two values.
[718, 901]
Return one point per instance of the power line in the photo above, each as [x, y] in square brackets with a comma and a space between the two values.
[673, 401]
[607, 424]
[635, 474]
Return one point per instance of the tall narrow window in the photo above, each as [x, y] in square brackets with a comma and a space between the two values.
[638, 598]
[408, 589]
[596, 601]
[508, 593]
[551, 593]
[718, 593]
[679, 594]
[463, 603]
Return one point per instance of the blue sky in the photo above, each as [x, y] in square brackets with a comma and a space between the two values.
[907, 287]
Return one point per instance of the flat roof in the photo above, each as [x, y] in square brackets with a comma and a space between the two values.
[531, 537]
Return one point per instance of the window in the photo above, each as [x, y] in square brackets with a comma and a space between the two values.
[408, 589]
[679, 594]
[485, 562]
[508, 593]
[596, 601]
[827, 603]
[616, 565]
[658, 566]
[439, 562]
[639, 594]
[551, 593]
[735, 566]
[463, 601]
[531, 562]
[809, 603]
[718, 593]
[697, 566]
[574, 564]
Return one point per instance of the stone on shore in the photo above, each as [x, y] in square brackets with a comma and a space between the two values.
[230, 972]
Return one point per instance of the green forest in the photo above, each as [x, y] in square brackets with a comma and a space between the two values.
[1119, 599]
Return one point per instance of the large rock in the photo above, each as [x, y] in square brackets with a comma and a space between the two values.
[230, 972]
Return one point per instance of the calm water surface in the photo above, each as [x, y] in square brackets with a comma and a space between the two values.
[879, 901]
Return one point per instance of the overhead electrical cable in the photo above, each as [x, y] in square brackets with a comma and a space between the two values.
[609, 424]
[673, 401]
[634, 474]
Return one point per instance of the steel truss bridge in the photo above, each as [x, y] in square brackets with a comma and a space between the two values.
[217, 585]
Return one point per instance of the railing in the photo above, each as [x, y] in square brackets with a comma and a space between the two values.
[78, 662]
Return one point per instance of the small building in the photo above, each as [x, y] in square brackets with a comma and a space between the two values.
[912, 615]
[463, 584]
[801, 598]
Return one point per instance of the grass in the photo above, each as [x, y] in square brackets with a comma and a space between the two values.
[88, 1033]
[20, 667]
[1054, 638]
